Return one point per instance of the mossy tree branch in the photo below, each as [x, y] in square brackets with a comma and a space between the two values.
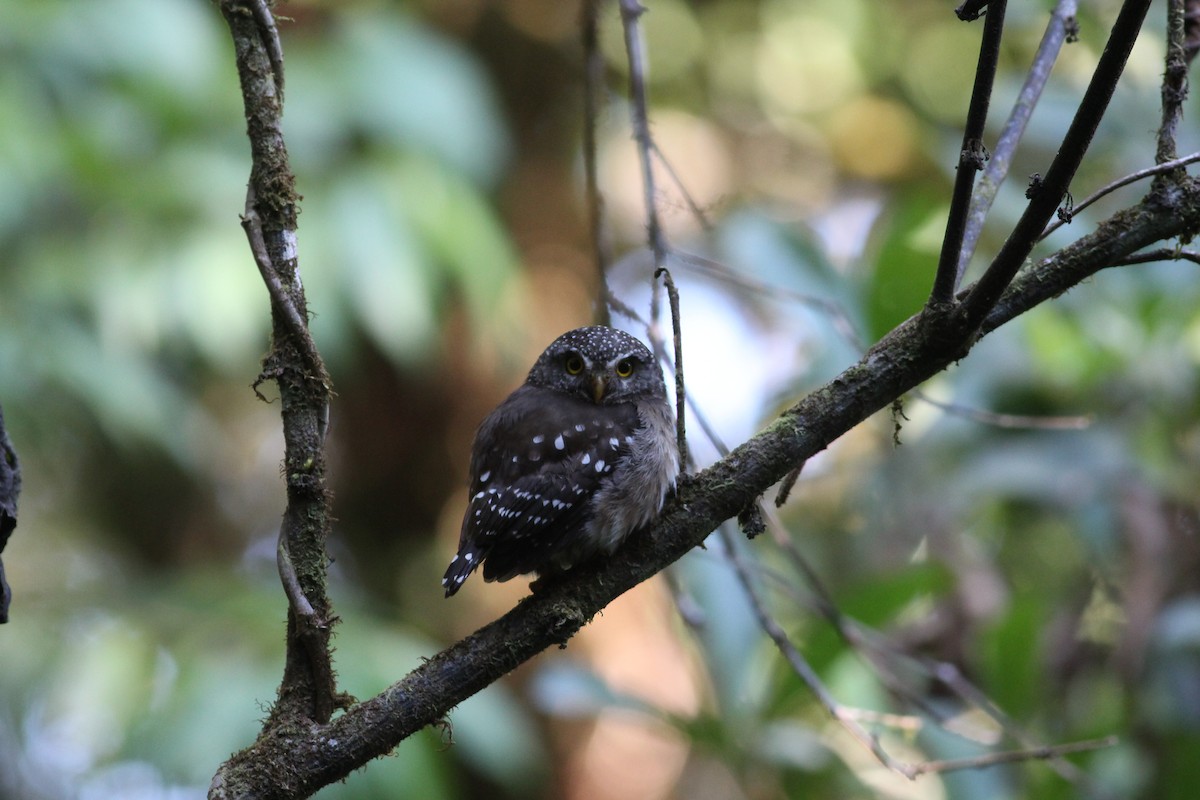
[307, 690]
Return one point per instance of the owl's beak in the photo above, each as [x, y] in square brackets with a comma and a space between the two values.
[599, 387]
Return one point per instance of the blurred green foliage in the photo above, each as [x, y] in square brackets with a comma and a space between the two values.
[442, 239]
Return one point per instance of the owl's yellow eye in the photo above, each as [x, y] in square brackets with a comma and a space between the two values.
[574, 365]
[624, 368]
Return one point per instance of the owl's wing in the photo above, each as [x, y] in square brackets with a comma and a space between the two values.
[538, 460]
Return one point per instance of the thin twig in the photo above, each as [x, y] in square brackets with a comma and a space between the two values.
[850, 718]
[692, 205]
[1059, 29]
[1109, 188]
[1011, 756]
[593, 83]
[971, 156]
[784, 491]
[879, 651]
[621, 307]
[799, 664]
[680, 389]
[708, 267]
[1162, 254]
[252, 225]
[311, 628]
[631, 12]
[1191, 29]
[986, 292]
[10, 491]
[291, 582]
[270, 39]
[1009, 421]
[950, 676]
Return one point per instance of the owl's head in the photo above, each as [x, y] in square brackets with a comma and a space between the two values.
[601, 365]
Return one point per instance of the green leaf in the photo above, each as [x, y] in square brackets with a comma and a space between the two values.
[905, 254]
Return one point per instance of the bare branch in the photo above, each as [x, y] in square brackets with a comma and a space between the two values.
[265, 20]
[971, 157]
[987, 291]
[1012, 756]
[631, 12]
[593, 83]
[851, 719]
[280, 299]
[848, 718]
[1163, 254]
[1060, 28]
[680, 388]
[884, 656]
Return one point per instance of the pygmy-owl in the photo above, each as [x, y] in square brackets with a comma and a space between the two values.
[576, 459]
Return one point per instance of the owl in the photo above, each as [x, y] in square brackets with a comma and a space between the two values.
[577, 458]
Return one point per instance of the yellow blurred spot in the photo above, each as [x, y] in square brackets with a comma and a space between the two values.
[940, 69]
[805, 65]
[874, 138]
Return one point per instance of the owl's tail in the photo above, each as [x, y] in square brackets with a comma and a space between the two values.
[461, 567]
